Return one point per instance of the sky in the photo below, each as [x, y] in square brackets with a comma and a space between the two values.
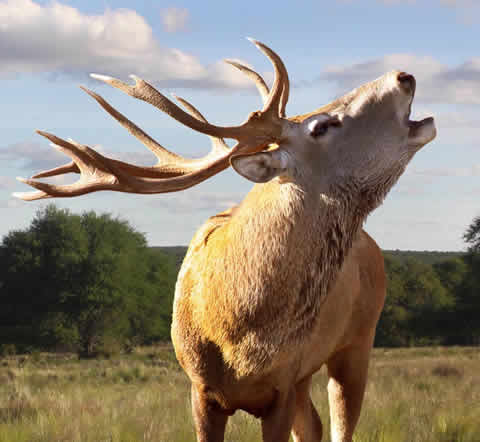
[48, 48]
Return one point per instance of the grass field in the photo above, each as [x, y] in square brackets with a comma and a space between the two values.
[413, 395]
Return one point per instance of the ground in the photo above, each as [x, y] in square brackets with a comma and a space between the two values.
[413, 395]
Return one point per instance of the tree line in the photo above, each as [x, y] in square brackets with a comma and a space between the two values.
[89, 283]
[433, 304]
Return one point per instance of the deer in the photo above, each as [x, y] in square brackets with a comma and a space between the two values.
[288, 281]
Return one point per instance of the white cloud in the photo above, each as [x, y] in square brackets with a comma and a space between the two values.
[32, 156]
[59, 39]
[437, 82]
[175, 19]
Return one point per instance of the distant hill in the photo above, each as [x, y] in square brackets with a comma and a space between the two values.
[427, 257]
[177, 252]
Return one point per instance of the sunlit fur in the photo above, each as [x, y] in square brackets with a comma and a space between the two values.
[288, 280]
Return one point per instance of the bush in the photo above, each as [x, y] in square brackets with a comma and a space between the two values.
[8, 350]
[86, 283]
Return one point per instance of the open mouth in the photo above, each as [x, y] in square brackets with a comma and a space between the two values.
[414, 125]
[421, 132]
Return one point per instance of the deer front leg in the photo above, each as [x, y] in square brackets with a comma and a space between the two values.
[347, 371]
[307, 426]
[209, 420]
[277, 423]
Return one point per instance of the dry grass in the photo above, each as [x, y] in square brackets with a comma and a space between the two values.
[414, 395]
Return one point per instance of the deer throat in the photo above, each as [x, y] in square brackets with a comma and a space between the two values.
[301, 242]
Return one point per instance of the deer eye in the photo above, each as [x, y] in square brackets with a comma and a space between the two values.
[318, 128]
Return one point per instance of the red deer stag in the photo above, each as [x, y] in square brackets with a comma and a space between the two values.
[287, 281]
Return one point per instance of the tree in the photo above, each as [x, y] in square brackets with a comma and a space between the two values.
[82, 282]
[392, 329]
[416, 307]
[451, 273]
[468, 292]
[472, 235]
[36, 267]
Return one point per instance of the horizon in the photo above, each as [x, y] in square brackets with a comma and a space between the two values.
[48, 48]
[383, 250]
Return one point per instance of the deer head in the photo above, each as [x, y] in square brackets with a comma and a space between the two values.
[362, 140]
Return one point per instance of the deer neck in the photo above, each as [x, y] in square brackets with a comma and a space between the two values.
[294, 242]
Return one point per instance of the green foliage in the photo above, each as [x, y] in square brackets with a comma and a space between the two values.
[90, 283]
[416, 302]
[425, 256]
[472, 235]
[433, 304]
[86, 282]
[452, 273]
[462, 278]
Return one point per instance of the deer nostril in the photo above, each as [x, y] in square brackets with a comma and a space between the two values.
[407, 81]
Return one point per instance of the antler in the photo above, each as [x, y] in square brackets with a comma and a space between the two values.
[254, 76]
[172, 172]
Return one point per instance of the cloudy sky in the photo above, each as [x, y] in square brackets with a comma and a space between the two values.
[47, 49]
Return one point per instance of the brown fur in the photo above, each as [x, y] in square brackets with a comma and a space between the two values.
[288, 281]
[231, 339]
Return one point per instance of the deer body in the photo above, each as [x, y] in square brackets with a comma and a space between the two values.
[280, 285]
[274, 323]
[288, 281]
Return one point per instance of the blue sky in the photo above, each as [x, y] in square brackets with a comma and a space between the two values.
[48, 48]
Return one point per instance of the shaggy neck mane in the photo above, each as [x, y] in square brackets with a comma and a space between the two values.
[301, 240]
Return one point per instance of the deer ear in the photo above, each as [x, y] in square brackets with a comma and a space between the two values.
[262, 166]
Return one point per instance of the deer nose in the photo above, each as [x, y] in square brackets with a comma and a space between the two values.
[407, 82]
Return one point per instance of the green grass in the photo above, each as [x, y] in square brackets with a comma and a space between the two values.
[413, 395]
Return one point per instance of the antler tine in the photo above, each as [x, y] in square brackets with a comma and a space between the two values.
[71, 167]
[254, 76]
[30, 196]
[284, 97]
[96, 173]
[101, 173]
[278, 96]
[262, 86]
[146, 92]
[81, 155]
[126, 169]
[158, 171]
[169, 163]
[218, 144]
[162, 154]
